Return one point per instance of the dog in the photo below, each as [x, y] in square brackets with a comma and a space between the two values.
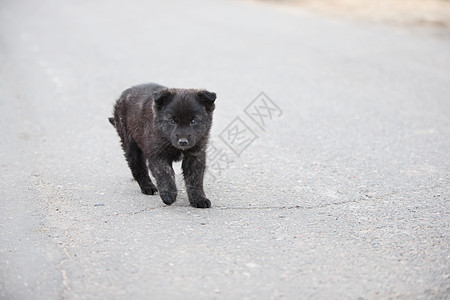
[161, 125]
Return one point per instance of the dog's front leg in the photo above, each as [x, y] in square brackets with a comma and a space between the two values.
[165, 179]
[193, 171]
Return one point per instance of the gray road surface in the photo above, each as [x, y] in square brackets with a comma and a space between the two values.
[341, 193]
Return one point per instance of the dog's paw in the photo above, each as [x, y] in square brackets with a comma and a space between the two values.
[203, 203]
[168, 198]
[149, 190]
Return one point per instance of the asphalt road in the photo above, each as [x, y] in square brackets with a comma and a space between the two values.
[332, 184]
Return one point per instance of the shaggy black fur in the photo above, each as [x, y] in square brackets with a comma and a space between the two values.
[159, 125]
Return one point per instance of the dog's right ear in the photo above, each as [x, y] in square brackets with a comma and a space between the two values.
[161, 97]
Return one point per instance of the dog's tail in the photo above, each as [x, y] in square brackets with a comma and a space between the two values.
[111, 120]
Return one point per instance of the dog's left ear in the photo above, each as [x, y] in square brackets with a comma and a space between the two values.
[207, 99]
[161, 97]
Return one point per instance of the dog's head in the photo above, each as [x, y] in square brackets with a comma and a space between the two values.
[183, 116]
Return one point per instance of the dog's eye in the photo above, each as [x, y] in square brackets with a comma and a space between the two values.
[172, 122]
[193, 121]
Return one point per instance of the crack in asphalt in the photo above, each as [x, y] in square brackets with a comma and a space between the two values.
[298, 206]
[364, 198]
[131, 213]
[59, 266]
[50, 195]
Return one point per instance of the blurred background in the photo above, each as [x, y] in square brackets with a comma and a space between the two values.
[399, 12]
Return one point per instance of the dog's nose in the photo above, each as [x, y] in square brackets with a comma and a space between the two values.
[183, 142]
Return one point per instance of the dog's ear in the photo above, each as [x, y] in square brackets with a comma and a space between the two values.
[161, 97]
[207, 99]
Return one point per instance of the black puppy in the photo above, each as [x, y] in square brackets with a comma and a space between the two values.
[162, 125]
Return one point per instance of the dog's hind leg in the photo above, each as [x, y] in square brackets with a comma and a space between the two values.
[136, 162]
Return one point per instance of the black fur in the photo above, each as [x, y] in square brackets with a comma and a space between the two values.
[159, 126]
